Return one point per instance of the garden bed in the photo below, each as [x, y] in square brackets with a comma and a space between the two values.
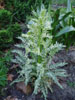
[68, 93]
[33, 65]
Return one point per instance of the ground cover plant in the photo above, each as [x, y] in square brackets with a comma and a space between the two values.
[36, 60]
[4, 63]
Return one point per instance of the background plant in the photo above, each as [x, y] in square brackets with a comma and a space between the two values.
[8, 30]
[62, 2]
[63, 25]
[5, 18]
[15, 29]
[36, 61]
[23, 8]
[6, 38]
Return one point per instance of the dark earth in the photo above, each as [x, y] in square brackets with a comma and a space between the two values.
[68, 83]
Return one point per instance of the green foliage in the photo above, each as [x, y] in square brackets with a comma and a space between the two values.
[15, 29]
[71, 84]
[23, 8]
[62, 2]
[8, 31]
[5, 18]
[63, 25]
[69, 6]
[5, 38]
[8, 36]
[36, 62]
[3, 72]
[4, 62]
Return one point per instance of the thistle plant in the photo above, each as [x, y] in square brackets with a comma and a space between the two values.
[36, 61]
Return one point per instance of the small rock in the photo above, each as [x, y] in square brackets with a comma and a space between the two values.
[25, 89]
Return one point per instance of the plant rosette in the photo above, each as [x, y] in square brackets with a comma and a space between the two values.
[36, 59]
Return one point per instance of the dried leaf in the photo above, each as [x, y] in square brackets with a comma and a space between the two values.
[10, 77]
[22, 87]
